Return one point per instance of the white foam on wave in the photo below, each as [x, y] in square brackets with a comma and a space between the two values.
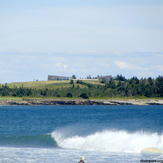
[110, 141]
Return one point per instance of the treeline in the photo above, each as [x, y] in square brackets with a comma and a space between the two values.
[116, 87]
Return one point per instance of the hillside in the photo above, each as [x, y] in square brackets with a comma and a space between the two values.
[51, 85]
[116, 88]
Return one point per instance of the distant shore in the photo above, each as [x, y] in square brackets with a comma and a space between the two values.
[82, 102]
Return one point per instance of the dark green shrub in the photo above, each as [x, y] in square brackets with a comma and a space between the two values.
[69, 95]
[84, 95]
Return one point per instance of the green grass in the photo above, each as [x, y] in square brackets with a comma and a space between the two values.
[93, 81]
[55, 84]
[6, 98]
[41, 84]
[9, 98]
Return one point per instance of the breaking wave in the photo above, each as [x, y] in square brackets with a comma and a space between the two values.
[110, 141]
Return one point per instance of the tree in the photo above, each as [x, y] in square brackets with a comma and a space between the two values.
[150, 81]
[159, 86]
[69, 95]
[120, 77]
[43, 92]
[5, 90]
[119, 84]
[134, 80]
[28, 92]
[112, 84]
[71, 82]
[89, 77]
[84, 95]
[73, 77]
[80, 82]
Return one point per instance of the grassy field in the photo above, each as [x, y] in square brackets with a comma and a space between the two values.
[50, 84]
[40, 84]
[8, 98]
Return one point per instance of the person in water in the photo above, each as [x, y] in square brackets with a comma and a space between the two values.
[82, 159]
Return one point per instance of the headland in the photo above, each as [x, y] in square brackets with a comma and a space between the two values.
[116, 91]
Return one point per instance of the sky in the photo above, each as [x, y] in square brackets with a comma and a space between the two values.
[80, 37]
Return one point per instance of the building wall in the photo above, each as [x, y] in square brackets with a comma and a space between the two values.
[51, 77]
[107, 78]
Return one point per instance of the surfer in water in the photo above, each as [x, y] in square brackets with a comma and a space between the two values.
[82, 159]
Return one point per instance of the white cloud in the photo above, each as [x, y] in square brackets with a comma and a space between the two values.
[159, 67]
[121, 64]
[124, 65]
[60, 65]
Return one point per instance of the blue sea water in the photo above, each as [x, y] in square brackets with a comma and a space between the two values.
[105, 134]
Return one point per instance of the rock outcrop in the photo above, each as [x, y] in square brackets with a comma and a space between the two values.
[81, 102]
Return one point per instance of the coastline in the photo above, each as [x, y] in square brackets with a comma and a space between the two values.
[82, 102]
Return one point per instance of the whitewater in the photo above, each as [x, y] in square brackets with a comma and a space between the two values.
[111, 141]
[100, 133]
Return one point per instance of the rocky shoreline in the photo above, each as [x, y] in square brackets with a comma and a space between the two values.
[82, 102]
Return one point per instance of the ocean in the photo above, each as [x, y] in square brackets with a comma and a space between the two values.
[102, 134]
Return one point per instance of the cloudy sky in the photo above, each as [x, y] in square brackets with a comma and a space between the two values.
[81, 37]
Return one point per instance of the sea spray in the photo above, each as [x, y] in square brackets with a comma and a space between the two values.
[110, 141]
